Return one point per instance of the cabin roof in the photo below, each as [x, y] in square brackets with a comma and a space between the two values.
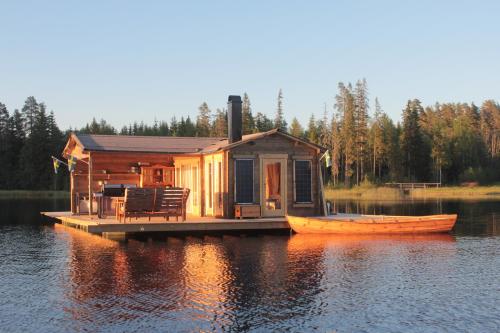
[144, 144]
[170, 144]
[225, 145]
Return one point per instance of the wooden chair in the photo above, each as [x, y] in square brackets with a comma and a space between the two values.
[138, 202]
[171, 202]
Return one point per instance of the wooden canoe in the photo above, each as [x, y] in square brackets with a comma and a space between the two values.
[372, 224]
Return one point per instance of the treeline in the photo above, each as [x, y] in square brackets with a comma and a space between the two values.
[27, 140]
[445, 142]
[207, 123]
[448, 142]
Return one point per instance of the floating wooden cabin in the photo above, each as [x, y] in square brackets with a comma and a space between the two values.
[268, 174]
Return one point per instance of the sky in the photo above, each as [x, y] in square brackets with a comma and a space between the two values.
[146, 60]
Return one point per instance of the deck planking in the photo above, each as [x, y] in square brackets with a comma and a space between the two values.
[194, 224]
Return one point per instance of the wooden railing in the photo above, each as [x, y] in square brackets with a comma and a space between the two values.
[407, 186]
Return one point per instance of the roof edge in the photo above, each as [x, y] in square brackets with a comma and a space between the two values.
[271, 132]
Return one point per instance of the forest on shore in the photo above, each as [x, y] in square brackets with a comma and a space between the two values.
[449, 143]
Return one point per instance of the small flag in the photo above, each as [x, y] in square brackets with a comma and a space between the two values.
[328, 159]
[71, 163]
[56, 164]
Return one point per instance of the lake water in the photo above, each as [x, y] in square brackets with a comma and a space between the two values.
[56, 279]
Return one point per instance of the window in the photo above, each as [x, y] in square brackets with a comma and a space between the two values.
[219, 180]
[195, 186]
[244, 181]
[210, 185]
[302, 176]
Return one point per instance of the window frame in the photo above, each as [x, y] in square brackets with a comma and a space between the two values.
[295, 182]
[236, 181]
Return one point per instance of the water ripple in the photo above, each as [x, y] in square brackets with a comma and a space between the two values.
[55, 279]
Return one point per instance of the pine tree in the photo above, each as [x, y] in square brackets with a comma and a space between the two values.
[4, 118]
[279, 119]
[263, 123]
[392, 155]
[361, 119]
[324, 130]
[4, 146]
[345, 105]
[412, 143]
[29, 112]
[101, 127]
[248, 123]
[190, 128]
[335, 146]
[296, 129]
[312, 130]
[203, 120]
[490, 127]
[174, 127]
[15, 142]
[220, 124]
[163, 129]
[377, 141]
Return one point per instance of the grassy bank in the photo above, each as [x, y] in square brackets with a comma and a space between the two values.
[391, 194]
[25, 194]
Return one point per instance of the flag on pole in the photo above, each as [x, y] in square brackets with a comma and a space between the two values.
[71, 163]
[56, 164]
[328, 159]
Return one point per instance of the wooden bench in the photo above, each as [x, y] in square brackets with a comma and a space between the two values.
[138, 202]
[151, 202]
[171, 201]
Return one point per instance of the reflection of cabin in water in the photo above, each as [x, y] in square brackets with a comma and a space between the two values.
[263, 174]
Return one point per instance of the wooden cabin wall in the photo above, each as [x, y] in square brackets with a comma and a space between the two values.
[117, 166]
[275, 144]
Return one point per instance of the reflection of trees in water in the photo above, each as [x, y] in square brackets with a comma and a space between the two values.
[356, 268]
[474, 217]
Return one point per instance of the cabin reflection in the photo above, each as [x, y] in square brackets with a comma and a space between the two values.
[225, 282]
[215, 281]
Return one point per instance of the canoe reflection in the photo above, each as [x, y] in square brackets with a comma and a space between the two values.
[307, 242]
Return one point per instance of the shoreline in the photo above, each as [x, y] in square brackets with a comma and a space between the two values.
[29, 194]
[393, 194]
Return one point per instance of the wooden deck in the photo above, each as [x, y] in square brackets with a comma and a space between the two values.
[193, 224]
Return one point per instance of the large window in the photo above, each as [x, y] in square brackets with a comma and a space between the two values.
[219, 184]
[210, 185]
[303, 190]
[244, 181]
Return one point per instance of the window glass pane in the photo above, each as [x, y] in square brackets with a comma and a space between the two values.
[303, 181]
[210, 185]
[273, 185]
[244, 181]
[220, 185]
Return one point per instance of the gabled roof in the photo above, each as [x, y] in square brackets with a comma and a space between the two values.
[225, 145]
[169, 144]
[144, 144]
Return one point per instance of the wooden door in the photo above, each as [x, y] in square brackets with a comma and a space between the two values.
[273, 186]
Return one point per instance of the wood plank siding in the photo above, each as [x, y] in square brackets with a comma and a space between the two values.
[278, 145]
[205, 165]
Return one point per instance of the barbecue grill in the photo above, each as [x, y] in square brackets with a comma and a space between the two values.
[107, 192]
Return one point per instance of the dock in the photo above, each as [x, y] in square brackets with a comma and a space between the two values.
[111, 228]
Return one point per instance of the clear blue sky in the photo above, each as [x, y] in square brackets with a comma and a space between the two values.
[124, 62]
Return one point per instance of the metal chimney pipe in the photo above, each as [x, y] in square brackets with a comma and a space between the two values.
[234, 121]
